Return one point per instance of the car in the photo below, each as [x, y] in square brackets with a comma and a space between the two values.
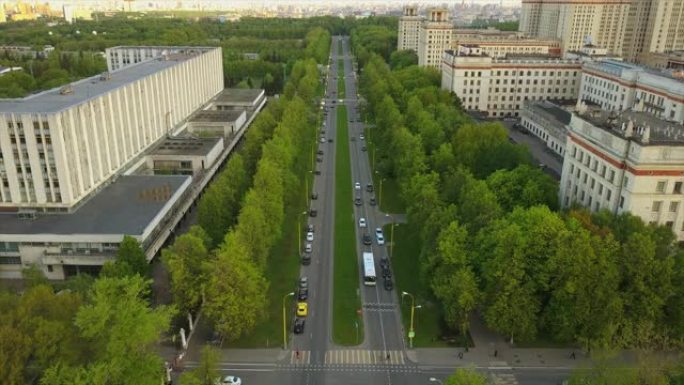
[369, 187]
[357, 186]
[362, 137]
[299, 326]
[228, 380]
[329, 140]
[367, 240]
[358, 201]
[308, 248]
[309, 236]
[306, 259]
[322, 139]
[302, 309]
[314, 195]
[304, 282]
[386, 273]
[379, 236]
[317, 172]
[363, 148]
[372, 201]
[362, 222]
[309, 228]
[320, 152]
[313, 212]
[384, 261]
[303, 294]
[319, 159]
[388, 284]
[353, 139]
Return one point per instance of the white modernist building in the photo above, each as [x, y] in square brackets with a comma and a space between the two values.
[500, 87]
[617, 86]
[59, 146]
[629, 161]
[548, 122]
[435, 37]
[409, 29]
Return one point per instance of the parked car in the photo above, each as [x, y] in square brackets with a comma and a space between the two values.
[363, 148]
[320, 152]
[302, 309]
[299, 326]
[304, 282]
[309, 236]
[308, 248]
[306, 259]
[322, 139]
[303, 294]
[358, 201]
[309, 228]
[361, 137]
[228, 380]
[362, 222]
[314, 195]
[384, 261]
[388, 284]
[372, 201]
[313, 212]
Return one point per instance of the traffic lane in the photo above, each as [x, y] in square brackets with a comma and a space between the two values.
[351, 376]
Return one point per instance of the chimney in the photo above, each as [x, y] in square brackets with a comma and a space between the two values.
[646, 136]
[629, 131]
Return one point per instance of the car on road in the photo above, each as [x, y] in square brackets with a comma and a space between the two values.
[309, 236]
[369, 187]
[306, 259]
[362, 222]
[388, 284]
[313, 212]
[357, 186]
[302, 309]
[320, 152]
[304, 282]
[329, 140]
[384, 262]
[309, 228]
[317, 172]
[299, 326]
[386, 273]
[379, 236]
[314, 195]
[372, 201]
[363, 148]
[367, 240]
[362, 137]
[319, 159]
[358, 201]
[322, 139]
[353, 139]
[228, 380]
[303, 294]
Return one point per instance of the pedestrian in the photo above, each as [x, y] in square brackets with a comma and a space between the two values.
[496, 352]
[388, 356]
[460, 355]
[297, 353]
[573, 355]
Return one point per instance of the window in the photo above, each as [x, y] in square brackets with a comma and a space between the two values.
[674, 206]
[608, 195]
[677, 188]
[622, 201]
[669, 224]
[656, 206]
[611, 176]
[625, 182]
[660, 187]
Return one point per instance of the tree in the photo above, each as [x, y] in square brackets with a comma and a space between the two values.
[187, 260]
[130, 260]
[207, 370]
[403, 59]
[33, 276]
[466, 376]
[236, 290]
[477, 205]
[121, 330]
[523, 186]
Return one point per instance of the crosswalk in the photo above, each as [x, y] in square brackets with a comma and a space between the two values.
[300, 357]
[364, 357]
[504, 379]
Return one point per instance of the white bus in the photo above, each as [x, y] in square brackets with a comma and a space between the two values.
[368, 269]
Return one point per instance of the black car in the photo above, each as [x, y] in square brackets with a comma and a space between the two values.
[299, 325]
[314, 195]
[320, 152]
[363, 148]
[329, 140]
[303, 294]
[367, 240]
[319, 159]
[372, 201]
[313, 212]
[317, 172]
[386, 273]
[388, 284]
[384, 262]
[369, 187]
[306, 259]
[358, 201]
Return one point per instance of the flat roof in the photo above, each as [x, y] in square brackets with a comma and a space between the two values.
[552, 111]
[93, 87]
[186, 146]
[662, 132]
[217, 116]
[239, 95]
[126, 207]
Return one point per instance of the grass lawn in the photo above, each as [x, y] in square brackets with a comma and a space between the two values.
[346, 299]
[340, 80]
[389, 200]
[427, 321]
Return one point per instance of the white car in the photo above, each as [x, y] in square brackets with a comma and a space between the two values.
[322, 140]
[308, 248]
[357, 186]
[379, 236]
[362, 222]
[361, 137]
[228, 380]
[309, 236]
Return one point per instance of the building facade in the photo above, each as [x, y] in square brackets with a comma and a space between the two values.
[548, 122]
[572, 21]
[60, 146]
[500, 87]
[498, 44]
[618, 86]
[435, 38]
[673, 60]
[409, 29]
[626, 162]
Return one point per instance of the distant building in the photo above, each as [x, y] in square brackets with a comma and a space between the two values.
[216, 122]
[589, 53]
[618, 86]
[626, 161]
[435, 37]
[500, 87]
[547, 121]
[663, 60]
[409, 29]
[123, 56]
[184, 155]
[498, 44]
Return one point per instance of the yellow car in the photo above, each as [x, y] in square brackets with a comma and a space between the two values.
[302, 309]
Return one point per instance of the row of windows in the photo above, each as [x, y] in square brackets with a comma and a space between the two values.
[522, 73]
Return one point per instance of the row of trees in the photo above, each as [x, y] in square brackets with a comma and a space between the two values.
[86, 331]
[493, 241]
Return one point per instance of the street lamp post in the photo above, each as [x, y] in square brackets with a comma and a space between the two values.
[284, 322]
[413, 309]
[392, 239]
